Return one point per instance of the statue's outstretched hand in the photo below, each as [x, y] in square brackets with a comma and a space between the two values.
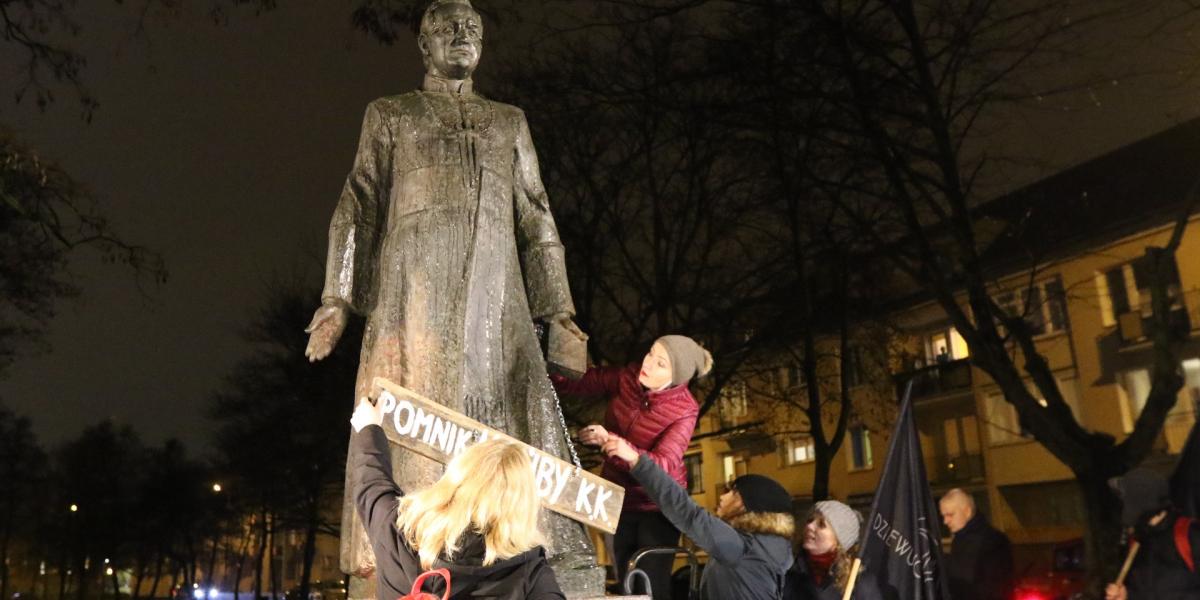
[564, 319]
[324, 330]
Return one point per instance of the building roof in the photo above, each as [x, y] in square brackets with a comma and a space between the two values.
[1133, 188]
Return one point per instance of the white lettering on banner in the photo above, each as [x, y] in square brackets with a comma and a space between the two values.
[440, 433]
[424, 420]
[562, 472]
[581, 499]
[545, 478]
[464, 435]
[894, 540]
[602, 496]
[403, 406]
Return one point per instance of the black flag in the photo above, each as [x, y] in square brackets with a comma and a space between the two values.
[1185, 482]
[901, 547]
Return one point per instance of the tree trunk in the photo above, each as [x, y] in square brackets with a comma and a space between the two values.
[821, 465]
[4, 541]
[310, 545]
[1102, 533]
[274, 578]
[211, 574]
[174, 578]
[241, 564]
[262, 550]
[158, 567]
[81, 572]
[116, 584]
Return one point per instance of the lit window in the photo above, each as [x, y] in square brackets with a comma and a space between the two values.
[945, 345]
[855, 372]
[1126, 289]
[1002, 424]
[1042, 305]
[791, 376]
[733, 399]
[1134, 388]
[695, 472]
[799, 450]
[860, 449]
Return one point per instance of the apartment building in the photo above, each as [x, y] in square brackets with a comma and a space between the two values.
[1089, 306]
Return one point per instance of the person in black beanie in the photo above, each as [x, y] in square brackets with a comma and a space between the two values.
[749, 539]
[1169, 543]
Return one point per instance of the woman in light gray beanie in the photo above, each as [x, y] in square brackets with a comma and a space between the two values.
[829, 544]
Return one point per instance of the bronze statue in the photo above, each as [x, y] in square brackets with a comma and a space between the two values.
[444, 239]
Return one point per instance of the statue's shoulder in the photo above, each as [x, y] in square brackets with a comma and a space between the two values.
[505, 111]
[397, 105]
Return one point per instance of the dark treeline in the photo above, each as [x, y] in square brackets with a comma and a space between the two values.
[106, 515]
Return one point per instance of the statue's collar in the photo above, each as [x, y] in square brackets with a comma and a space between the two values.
[433, 83]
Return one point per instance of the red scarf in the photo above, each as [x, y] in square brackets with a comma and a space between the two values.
[819, 564]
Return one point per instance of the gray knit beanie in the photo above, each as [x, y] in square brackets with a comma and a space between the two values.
[688, 359]
[845, 521]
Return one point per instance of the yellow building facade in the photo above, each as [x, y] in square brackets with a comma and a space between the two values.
[1089, 301]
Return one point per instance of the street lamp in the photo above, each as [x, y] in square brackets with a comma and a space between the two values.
[74, 508]
[216, 488]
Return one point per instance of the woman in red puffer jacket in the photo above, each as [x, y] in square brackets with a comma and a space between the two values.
[650, 407]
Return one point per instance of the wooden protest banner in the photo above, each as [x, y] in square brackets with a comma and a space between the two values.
[439, 433]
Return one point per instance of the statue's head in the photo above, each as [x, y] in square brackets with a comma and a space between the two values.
[451, 38]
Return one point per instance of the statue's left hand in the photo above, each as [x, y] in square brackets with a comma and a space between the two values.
[324, 330]
[564, 319]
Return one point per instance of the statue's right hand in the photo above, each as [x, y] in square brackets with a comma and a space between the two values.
[324, 330]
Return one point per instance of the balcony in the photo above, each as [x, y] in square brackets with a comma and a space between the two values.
[960, 469]
[937, 380]
[1136, 326]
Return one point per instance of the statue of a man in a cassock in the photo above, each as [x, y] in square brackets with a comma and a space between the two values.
[443, 238]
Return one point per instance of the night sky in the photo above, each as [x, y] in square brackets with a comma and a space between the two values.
[225, 147]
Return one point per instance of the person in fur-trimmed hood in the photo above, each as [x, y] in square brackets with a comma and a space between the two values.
[749, 539]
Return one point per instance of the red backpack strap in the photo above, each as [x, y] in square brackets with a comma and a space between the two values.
[416, 588]
[1182, 543]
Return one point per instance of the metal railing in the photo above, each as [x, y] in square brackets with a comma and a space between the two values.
[937, 379]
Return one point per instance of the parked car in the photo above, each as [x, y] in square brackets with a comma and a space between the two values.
[1065, 579]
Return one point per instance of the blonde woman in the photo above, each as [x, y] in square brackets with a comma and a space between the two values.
[828, 546]
[479, 520]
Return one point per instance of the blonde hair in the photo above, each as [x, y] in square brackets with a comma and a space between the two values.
[489, 489]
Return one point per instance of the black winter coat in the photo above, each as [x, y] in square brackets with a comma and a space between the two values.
[980, 563]
[748, 555]
[1159, 572]
[526, 576]
[800, 585]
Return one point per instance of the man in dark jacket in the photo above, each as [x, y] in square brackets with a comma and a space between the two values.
[980, 564]
[1165, 565]
[749, 539]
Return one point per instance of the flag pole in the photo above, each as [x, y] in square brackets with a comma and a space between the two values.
[853, 578]
[1133, 550]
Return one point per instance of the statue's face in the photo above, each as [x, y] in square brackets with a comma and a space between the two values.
[452, 42]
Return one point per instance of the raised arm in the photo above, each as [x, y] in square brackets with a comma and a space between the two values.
[375, 492]
[714, 535]
[596, 381]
